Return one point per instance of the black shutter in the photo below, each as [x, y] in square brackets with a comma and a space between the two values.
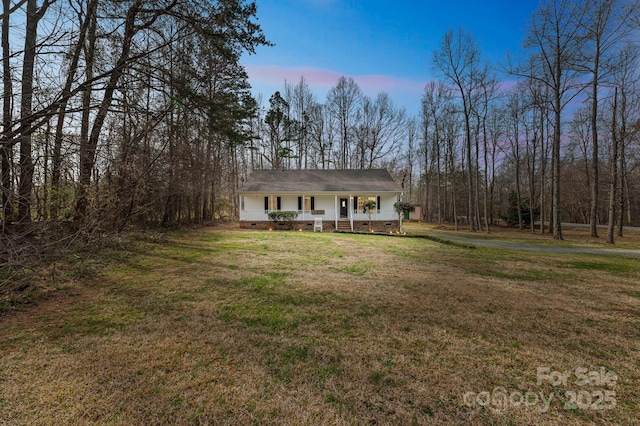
[313, 203]
[355, 204]
[279, 205]
[299, 203]
[266, 204]
[378, 203]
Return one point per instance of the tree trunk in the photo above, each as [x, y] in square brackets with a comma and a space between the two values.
[439, 182]
[516, 153]
[425, 138]
[452, 168]
[478, 220]
[531, 170]
[622, 179]
[486, 177]
[86, 163]
[6, 152]
[614, 170]
[43, 207]
[469, 170]
[88, 148]
[624, 187]
[25, 186]
[593, 214]
[555, 167]
[543, 171]
[88, 24]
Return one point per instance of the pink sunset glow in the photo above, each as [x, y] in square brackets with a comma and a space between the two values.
[322, 78]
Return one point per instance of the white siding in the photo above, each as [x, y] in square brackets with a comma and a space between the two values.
[253, 206]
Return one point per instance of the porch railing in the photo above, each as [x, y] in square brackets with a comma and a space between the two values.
[262, 215]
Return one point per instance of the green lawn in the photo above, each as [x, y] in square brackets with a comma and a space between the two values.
[244, 327]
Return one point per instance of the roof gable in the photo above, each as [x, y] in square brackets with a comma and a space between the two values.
[283, 181]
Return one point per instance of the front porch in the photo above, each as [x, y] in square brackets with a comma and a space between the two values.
[337, 211]
[327, 226]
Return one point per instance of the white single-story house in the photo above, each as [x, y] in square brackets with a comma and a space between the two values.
[337, 197]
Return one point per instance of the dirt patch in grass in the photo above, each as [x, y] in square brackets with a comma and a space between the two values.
[241, 327]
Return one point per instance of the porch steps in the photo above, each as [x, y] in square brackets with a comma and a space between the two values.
[344, 225]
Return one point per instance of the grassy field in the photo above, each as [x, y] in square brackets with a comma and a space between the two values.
[221, 326]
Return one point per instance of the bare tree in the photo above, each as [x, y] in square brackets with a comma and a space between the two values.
[605, 26]
[613, 164]
[426, 123]
[555, 36]
[301, 99]
[451, 128]
[87, 22]
[33, 15]
[439, 133]
[6, 152]
[488, 88]
[496, 129]
[343, 100]
[515, 110]
[458, 61]
[138, 18]
[410, 156]
[321, 133]
[626, 78]
[379, 130]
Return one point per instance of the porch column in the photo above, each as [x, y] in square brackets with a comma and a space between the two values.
[335, 211]
[401, 215]
[350, 211]
[377, 207]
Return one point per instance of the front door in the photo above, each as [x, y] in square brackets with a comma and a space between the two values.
[344, 207]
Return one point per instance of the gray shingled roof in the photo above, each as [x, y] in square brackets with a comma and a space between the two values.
[283, 181]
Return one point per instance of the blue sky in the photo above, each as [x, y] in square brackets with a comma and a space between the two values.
[384, 45]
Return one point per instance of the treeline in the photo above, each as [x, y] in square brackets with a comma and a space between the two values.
[563, 138]
[118, 112]
[139, 112]
[552, 136]
[348, 131]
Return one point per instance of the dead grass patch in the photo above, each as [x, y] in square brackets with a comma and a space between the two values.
[241, 327]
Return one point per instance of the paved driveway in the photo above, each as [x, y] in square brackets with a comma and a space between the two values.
[634, 253]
